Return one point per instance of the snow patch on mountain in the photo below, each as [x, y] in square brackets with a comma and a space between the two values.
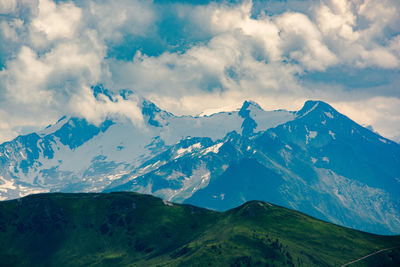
[199, 179]
[182, 151]
[332, 134]
[383, 140]
[329, 115]
[213, 149]
[55, 127]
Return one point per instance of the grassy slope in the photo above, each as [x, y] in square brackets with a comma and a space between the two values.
[139, 230]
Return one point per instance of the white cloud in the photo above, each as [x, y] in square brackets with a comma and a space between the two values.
[379, 14]
[302, 41]
[336, 19]
[354, 30]
[262, 30]
[383, 113]
[41, 80]
[7, 6]
[56, 20]
[96, 111]
[9, 29]
[394, 45]
[381, 57]
[115, 18]
[25, 78]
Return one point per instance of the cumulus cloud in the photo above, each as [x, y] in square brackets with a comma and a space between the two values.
[336, 19]
[97, 109]
[9, 30]
[7, 6]
[117, 18]
[52, 52]
[302, 41]
[355, 31]
[56, 21]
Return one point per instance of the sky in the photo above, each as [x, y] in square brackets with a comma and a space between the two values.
[190, 57]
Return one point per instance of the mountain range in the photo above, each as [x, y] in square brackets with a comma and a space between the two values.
[314, 160]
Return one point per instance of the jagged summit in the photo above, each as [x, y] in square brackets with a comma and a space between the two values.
[249, 124]
[99, 92]
[153, 115]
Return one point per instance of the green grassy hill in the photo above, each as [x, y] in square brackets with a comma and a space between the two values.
[129, 229]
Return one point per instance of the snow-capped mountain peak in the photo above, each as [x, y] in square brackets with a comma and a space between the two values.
[315, 106]
[250, 105]
[315, 160]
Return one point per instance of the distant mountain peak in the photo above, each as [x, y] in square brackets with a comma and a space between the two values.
[152, 112]
[249, 124]
[249, 104]
[316, 106]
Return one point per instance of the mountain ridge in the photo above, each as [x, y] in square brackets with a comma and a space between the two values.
[329, 166]
[121, 228]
